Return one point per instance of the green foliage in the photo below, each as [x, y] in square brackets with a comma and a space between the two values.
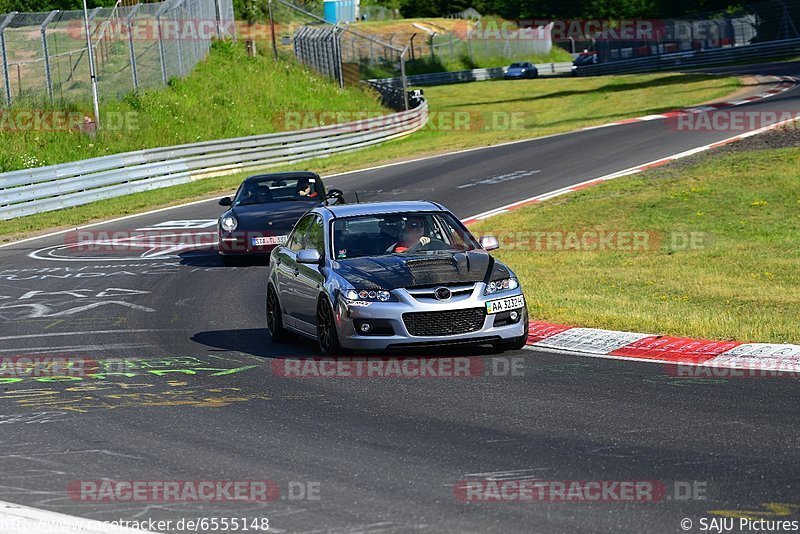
[227, 95]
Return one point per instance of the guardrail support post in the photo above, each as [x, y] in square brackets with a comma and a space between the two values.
[218, 16]
[337, 47]
[132, 50]
[178, 40]
[6, 80]
[403, 76]
[45, 50]
[161, 55]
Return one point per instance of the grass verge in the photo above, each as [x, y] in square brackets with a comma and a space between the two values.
[227, 95]
[539, 107]
[723, 235]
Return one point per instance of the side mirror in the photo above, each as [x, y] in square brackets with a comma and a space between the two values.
[489, 242]
[334, 196]
[225, 201]
[309, 256]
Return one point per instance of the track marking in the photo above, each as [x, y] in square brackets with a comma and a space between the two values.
[626, 172]
[18, 519]
[29, 336]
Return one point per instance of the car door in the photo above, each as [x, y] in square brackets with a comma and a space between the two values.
[286, 270]
[309, 279]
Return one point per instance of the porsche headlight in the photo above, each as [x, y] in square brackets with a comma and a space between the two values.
[380, 295]
[229, 223]
[501, 285]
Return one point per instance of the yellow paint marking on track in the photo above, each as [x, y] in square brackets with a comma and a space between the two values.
[771, 510]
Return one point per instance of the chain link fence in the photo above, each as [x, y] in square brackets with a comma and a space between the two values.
[45, 60]
[343, 54]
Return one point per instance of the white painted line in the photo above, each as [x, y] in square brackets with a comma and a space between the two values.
[95, 332]
[626, 172]
[18, 519]
[78, 348]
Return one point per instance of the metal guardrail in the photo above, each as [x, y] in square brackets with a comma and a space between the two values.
[43, 189]
[694, 58]
[474, 75]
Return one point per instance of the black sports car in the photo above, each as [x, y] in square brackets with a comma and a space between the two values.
[264, 209]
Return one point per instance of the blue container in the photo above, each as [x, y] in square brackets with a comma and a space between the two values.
[335, 11]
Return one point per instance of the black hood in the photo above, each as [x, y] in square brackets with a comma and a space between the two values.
[282, 215]
[396, 270]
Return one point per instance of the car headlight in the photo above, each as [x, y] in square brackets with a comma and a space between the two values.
[380, 295]
[501, 285]
[229, 223]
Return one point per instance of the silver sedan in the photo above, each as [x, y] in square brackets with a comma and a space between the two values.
[392, 275]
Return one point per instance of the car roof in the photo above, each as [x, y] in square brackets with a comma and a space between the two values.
[377, 208]
[282, 175]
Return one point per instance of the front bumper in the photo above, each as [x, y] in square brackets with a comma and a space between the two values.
[239, 243]
[494, 327]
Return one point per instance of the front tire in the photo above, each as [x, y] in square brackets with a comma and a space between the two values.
[327, 336]
[277, 332]
[514, 344]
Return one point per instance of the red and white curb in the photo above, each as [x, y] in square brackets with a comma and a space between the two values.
[648, 347]
[785, 83]
[663, 349]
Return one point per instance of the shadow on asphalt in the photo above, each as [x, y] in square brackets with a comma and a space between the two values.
[256, 342]
[210, 258]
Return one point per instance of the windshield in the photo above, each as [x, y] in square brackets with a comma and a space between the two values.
[274, 189]
[517, 65]
[400, 233]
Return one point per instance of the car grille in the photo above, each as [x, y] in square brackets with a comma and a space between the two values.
[444, 323]
[429, 292]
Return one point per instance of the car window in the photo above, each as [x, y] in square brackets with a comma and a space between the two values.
[296, 238]
[399, 233]
[315, 236]
[276, 189]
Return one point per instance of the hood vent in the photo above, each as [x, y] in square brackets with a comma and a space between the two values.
[431, 271]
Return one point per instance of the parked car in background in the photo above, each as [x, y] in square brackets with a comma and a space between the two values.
[584, 59]
[517, 71]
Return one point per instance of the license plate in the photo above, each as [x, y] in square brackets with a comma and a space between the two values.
[269, 240]
[506, 304]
